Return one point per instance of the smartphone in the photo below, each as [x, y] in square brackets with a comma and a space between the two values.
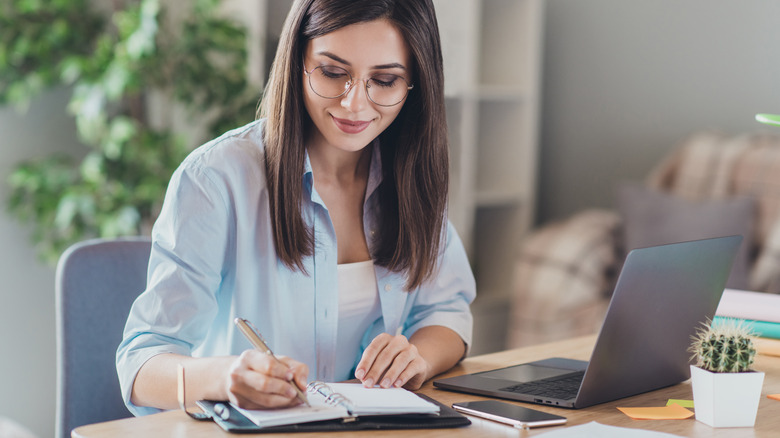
[517, 416]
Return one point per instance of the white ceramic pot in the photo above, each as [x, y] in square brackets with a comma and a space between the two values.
[726, 399]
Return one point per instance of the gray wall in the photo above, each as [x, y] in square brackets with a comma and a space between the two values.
[626, 80]
[27, 348]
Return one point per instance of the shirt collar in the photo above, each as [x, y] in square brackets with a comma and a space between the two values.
[308, 181]
[374, 174]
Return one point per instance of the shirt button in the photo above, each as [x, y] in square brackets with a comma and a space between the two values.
[388, 287]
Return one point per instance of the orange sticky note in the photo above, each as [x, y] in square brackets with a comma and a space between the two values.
[670, 412]
[774, 396]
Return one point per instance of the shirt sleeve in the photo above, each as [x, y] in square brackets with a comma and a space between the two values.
[189, 242]
[445, 299]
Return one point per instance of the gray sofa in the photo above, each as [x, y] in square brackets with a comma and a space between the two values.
[711, 185]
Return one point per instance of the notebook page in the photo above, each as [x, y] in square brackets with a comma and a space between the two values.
[319, 410]
[380, 401]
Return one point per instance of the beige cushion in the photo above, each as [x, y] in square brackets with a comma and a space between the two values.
[562, 278]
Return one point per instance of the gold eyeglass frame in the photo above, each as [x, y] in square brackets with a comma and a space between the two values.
[351, 83]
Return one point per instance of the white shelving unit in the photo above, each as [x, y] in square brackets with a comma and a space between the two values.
[492, 59]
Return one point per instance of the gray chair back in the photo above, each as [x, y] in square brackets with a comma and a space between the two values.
[96, 283]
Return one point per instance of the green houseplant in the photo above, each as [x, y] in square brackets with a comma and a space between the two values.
[726, 390]
[151, 79]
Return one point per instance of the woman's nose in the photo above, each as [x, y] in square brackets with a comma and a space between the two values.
[356, 97]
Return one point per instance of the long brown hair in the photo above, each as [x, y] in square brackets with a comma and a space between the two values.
[414, 149]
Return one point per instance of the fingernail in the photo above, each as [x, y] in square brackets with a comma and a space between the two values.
[398, 383]
[360, 374]
[369, 383]
[385, 383]
[289, 376]
[291, 393]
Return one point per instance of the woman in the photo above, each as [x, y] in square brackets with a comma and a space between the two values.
[323, 223]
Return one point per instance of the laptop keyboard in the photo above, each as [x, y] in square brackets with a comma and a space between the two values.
[562, 387]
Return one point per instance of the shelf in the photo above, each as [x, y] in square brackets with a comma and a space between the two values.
[491, 52]
[490, 335]
[492, 313]
[495, 248]
[499, 198]
[457, 28]
[501, 93]
[507, 44]
[501, 152]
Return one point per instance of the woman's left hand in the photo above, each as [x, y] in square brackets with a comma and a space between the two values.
[392, 361]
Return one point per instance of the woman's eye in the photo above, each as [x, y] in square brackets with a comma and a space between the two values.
[386, 80]
[333, 72]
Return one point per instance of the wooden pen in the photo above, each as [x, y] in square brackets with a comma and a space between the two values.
[258, 343]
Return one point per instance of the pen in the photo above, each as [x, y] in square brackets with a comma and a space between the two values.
[257, 342]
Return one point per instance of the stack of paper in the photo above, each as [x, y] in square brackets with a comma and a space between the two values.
[761, 310]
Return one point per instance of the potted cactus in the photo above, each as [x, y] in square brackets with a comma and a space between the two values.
[726, 390]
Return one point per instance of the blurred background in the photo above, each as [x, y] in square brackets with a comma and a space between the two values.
[609, 88]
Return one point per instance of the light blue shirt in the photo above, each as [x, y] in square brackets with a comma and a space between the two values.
[213, 259]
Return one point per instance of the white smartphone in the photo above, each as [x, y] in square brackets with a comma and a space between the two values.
[507, 413]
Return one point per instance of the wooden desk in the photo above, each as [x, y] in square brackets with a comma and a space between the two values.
[177, 424]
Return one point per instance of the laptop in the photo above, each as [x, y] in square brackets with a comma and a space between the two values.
[661, 297]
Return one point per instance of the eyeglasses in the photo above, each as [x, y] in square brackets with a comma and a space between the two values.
[332, 82]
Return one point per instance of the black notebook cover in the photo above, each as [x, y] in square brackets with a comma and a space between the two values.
[238, 423]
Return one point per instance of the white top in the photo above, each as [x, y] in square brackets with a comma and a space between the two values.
[359, 307]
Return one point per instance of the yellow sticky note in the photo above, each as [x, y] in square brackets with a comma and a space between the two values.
[683, 403]
[670, 412]
[774, 396]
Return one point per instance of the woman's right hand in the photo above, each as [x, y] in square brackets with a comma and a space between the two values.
[256, 380]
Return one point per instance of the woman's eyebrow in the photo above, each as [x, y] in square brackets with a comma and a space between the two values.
[345, 62]
[334, 57]
[391, 65]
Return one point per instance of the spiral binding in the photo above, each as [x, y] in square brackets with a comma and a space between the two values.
[331, 397]
[337, 399]
[318, 386]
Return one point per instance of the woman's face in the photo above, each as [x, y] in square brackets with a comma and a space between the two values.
[365, 50]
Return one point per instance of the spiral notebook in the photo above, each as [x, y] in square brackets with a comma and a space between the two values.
[340, 401]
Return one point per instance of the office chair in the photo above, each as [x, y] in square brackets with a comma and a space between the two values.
[96, 283]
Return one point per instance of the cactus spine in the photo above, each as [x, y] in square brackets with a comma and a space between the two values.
[724, 347]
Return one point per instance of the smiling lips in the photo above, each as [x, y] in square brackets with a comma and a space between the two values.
[351, 126]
